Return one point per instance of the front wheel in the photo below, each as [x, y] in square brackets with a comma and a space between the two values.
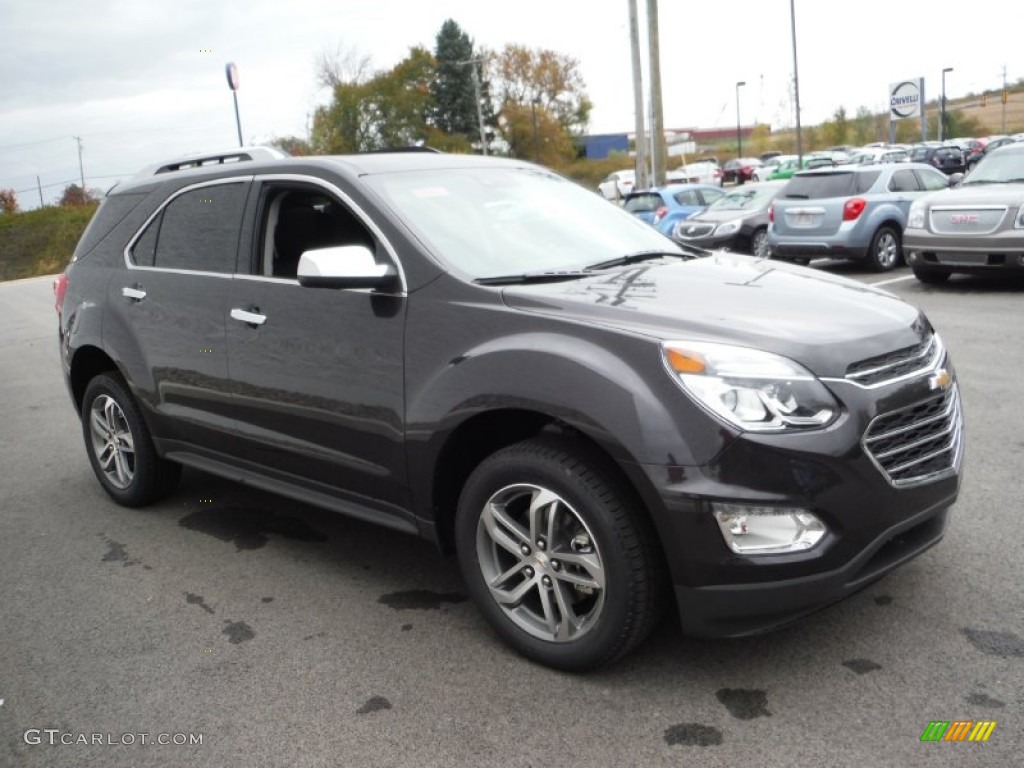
[120, 448]
[559, 565]
[885, 250]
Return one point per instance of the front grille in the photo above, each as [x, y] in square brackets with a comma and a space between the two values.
[918, 442]
[972, 220]
[694, 230]
[882, 369]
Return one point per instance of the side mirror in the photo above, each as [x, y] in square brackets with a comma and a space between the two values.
[344, 266]
[955, 178]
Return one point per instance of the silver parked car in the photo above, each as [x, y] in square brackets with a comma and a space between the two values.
[852, 212]
[976, 227]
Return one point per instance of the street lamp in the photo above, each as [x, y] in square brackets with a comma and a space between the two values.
[942, 115]
[232, 73]
[739, 136]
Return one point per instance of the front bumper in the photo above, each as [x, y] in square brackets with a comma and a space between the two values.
[1001, 251]
[873, 525]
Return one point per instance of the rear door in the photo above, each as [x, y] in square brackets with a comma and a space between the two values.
[166, 310]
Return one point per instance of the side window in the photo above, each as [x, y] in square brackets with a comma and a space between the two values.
[903, 181]
[710, 195]
[144, 250]
[198, 230]
[932, 180]
[299, 219]
[687, 197]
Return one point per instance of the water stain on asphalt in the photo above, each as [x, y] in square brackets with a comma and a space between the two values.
[248, 527]
[266, 599]
[1001, 644]
[406, 627]
[693, 735]
[374, 704]
[983, 700]
[318, 634]
[194, 599]
[883, 600]
[118, 554]
[861, 666]
[238, 632]
[419, 599]
[744, 704]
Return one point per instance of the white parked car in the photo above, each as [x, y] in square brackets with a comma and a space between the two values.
[700, 172]
[617, 185]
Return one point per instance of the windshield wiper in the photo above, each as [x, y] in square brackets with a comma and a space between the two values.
[551, 276]
[633, 258]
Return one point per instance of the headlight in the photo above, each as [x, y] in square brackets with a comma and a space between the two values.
[1018, 223]
[749, 388]
[915, 219]
[728, 228]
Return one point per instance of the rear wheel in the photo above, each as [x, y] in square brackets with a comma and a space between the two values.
[120, 447]
[931, 276]
[885, 250]
[560, 567]
[759, 244]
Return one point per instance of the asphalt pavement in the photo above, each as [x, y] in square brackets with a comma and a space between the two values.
[248, 630]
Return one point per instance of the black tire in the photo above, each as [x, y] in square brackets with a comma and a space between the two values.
[120, 447]
[594, 525]
[759, 244]
[886, 249]
[931, 276]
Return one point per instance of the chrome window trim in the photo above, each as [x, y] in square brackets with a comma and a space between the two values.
[159, 209]
[292, 177]
[363, 217]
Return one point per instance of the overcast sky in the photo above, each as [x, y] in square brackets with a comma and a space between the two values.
[133, 79]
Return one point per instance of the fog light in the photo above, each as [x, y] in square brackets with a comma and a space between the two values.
[750, 530]
[913, 256]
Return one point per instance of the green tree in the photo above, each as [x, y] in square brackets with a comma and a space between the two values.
[390, 109]
[454, 87]
[75, 195]
[8, 201]
[836, 131]
[292, 145]
[862, 130]
[542, 82]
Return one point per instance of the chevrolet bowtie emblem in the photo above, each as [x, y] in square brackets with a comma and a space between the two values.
[941, 380]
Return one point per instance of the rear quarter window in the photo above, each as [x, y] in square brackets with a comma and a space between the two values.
[111, 212]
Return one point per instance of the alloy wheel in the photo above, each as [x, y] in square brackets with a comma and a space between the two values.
[112, 441]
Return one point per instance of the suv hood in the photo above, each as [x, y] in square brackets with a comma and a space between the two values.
[824, 322]
[995, 194]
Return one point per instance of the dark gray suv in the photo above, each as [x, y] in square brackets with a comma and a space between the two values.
[479, 352]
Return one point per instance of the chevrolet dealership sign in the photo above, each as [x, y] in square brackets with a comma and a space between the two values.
[905, 99]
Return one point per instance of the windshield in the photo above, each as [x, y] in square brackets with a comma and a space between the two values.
[644, 202]
[999, 167]
[748, 199]
[490, 222]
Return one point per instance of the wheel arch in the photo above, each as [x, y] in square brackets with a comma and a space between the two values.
[87, 363]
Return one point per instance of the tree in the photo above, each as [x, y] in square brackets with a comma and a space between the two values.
[8, 201]
[390, 109]
[528, 80]
[454, 88]
[75, 195]
[292, 145]
[863, 127]
[836, 131]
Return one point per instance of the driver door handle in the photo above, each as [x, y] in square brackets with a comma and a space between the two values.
[248, 316]
[135, 294]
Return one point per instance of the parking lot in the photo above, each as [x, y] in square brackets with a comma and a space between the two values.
[280, 634]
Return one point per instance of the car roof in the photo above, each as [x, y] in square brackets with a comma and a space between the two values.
[866, 168]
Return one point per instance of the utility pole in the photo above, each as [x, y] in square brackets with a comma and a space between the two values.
[479, 109]
[39, 184]
[1003, 98]
[739, 134]
[638, 100]
[657, 118]
[796, 90]
[81, 170]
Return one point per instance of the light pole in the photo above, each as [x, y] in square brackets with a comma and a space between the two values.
[942, 115]
[739, 135]
[232, 72]
[796, 88]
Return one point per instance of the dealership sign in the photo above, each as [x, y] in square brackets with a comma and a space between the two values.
[905, 99]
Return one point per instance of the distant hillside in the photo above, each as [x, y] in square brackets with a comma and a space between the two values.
[40, 242]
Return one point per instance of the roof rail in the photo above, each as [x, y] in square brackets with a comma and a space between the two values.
[238, 154]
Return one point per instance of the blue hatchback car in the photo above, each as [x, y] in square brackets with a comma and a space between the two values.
[663, 207]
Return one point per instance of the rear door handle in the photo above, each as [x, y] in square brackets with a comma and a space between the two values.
[248, 317]
[135, 294]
